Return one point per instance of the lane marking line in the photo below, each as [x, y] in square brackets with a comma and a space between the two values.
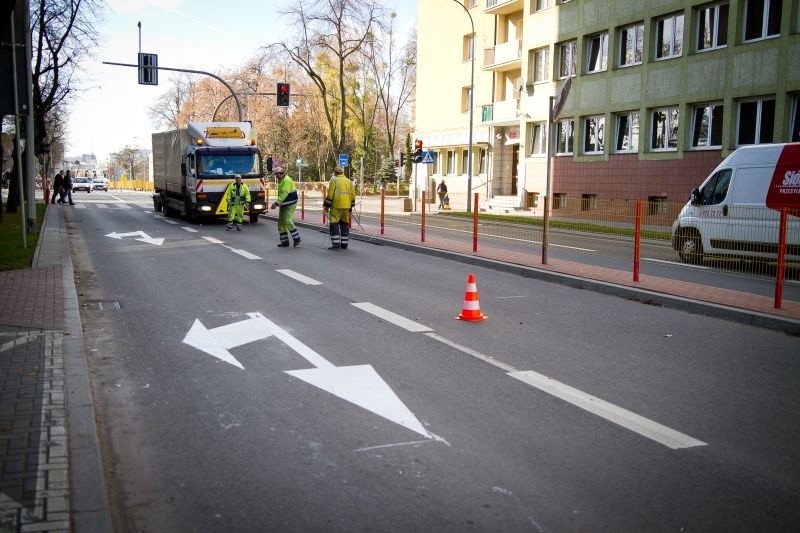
[622, 417]
[388, 316]
[477, 355]
[212, 240]
[299, 277]
[243, 253]
[190, 230]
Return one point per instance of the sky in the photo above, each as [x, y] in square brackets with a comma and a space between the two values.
[111, 109]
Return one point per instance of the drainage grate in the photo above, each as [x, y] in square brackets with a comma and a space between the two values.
[101, 305]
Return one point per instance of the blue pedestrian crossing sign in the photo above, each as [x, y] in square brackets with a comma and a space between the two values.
[343, 160]
[427, 157]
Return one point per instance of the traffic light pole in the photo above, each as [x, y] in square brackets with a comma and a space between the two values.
[190, 71]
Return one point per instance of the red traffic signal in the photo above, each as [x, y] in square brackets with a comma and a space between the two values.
[283, 92]
[418, 151]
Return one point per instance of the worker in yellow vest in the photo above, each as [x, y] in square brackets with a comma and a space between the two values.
[238, 196]
[340, 200]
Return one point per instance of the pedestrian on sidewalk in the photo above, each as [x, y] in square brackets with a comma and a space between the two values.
[287, 203]
[441, 190]
[340, 200]
[238, 195]
[58, 184]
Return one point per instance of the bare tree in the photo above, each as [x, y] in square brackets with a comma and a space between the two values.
[329, 33]
[62, 33]
[394, 75]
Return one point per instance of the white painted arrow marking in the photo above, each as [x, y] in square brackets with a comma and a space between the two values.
[360, 384]
[144, 237]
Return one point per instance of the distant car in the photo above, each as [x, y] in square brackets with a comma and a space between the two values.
[82, 184]
[100, 184]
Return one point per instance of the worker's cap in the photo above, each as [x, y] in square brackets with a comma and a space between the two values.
[237, 177]
[277, 170]
[338, 170]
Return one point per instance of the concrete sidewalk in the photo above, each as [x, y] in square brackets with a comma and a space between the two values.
[50, 469]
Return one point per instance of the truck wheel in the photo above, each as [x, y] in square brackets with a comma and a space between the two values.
[157, 205]
[190, 215]
[165, 208]
[691, 249]
[254, 218]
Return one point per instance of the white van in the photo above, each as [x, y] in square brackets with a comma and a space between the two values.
[727, 215]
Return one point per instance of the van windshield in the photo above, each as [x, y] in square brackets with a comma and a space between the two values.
[227, 165]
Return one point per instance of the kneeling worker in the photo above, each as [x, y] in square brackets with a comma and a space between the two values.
[287, 200]
[340, 200]
[238, 196]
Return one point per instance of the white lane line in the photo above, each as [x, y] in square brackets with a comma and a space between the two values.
[79, 206]
[101, 206]
[388, 316]
[212, 240]
[243, 253]
[299, 277]
[168, 221]
[636, 423]
[477, 355]
[190, 230]
[123, 206]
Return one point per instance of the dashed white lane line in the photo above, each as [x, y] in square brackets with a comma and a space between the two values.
[189, 229]
[243, 253]
[168, 221]
[212, 240]
[636, 423]
[299, 277]
[622, 417]
[388, 316]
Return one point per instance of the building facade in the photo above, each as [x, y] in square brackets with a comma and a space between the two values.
[660, 91]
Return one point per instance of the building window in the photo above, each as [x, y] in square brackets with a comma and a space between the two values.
[482, 161]
[564, 131]
[756, 121]
[794, 127]
[712, 27]
[597, 53]
[707, 126]
[567, 59]
[465, 99]
[664, 134]
[451, 162]
[464, 161]
[631, 45]
[669, 36]
[539, 5]
[627, 132]
[472, 3]
[762, 19]
[538, 62]
[469, 47]
[537, 138]
[594, 134]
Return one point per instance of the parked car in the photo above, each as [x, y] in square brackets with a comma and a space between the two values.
[100, 184]
[82, 184]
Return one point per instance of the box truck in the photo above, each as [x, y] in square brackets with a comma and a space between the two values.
[728, 215]
[194, 166]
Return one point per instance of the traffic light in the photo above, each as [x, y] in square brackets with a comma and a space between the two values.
[418, 151]
[283, 92]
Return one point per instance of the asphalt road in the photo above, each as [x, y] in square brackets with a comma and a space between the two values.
[334, 391]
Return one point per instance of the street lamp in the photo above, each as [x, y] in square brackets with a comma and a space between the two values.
[471, 96]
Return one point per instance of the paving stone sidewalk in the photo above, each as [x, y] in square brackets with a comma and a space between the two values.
[50, 477]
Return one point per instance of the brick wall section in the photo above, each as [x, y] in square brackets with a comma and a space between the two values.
[625, 176]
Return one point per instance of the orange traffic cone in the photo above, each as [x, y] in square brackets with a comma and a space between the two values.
[472, 309]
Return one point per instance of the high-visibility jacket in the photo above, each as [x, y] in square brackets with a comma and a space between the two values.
[287, 193]
[240, 196]
[341, 193]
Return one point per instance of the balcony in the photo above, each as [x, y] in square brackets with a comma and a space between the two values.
[503, 57]
[501, 113]
[503, 7]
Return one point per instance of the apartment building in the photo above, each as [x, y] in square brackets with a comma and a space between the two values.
[660, 91]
